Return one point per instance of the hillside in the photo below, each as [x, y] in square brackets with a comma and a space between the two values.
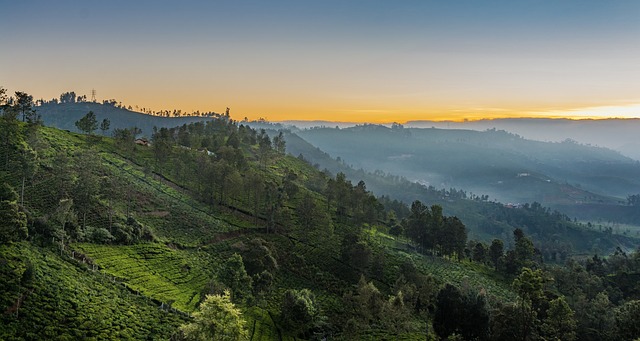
[153, 232]
[98, 229]
[552, 231]
[64, 115]
[502, 165]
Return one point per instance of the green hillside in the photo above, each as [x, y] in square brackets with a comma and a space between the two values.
[106, 239]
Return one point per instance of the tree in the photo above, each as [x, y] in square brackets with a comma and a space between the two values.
[162, 142]
[9, 133]
[24, 106]
[125, 138]
[299, 311]
[13, 223]
[528, 285]
[264, 147]
[87, 186]
[496, 250]
[104, 126]
[262, 283]
[453, 237]
[524, 250]
[258, 257]
[3, 97]
[627, 320]
[235, 277]
[356, 252]
[279, 143]
[596, 320]
[314, 222]
[479, 252]
[560, 323]
[457, 313]
[88, 123]
[233, 141]
[68, 97]
[217, 318]
[417, 223]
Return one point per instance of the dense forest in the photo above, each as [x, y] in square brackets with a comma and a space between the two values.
[211, 230]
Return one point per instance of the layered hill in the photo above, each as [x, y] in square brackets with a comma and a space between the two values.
[615, 133]
[504, 166]
[553, 231]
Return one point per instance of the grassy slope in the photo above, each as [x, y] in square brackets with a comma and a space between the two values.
[162, 272]
[67, 301]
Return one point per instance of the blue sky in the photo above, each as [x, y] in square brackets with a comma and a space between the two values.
[347, 60]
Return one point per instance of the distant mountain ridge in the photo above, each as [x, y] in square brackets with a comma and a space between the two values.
[619, 134]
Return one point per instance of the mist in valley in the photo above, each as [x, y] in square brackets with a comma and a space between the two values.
[565, 174]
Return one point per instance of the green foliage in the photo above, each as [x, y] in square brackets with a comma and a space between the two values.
[529, 287]
[124, 139]
[258, 257]
[104, 125]
[217, 318]
[627, 320]
[24, 106]
[299, 311]
[496, 251]
[183, 212]
[88, 123]
[464, 315]
[235, 277]
[560, 323]
[432, 231]
[45, 296]
[13, 222]
[155, 270]
[98, 235]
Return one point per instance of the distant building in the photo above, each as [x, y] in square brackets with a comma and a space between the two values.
[142, 142]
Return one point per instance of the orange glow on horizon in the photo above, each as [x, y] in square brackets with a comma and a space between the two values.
[381, 116]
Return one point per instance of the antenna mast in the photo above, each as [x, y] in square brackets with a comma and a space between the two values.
[93, 95]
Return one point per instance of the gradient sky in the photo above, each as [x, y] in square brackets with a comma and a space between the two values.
[375, 61]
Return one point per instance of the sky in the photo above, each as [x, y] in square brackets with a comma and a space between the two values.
[357, 61]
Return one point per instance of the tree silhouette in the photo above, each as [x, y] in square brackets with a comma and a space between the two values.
[104, 126]
[88, 123]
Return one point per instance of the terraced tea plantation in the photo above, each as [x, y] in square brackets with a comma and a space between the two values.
[68, 301]
[155, 270]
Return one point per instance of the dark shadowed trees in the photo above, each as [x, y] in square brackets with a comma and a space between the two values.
[496, 251]
[299, 311]
[104, 126]
[88, 123]
[462, 314]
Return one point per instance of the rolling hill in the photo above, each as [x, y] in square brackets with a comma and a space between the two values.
[64, 115]
[505, 166]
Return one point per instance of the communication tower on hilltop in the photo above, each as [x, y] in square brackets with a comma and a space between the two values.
[93, 95]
